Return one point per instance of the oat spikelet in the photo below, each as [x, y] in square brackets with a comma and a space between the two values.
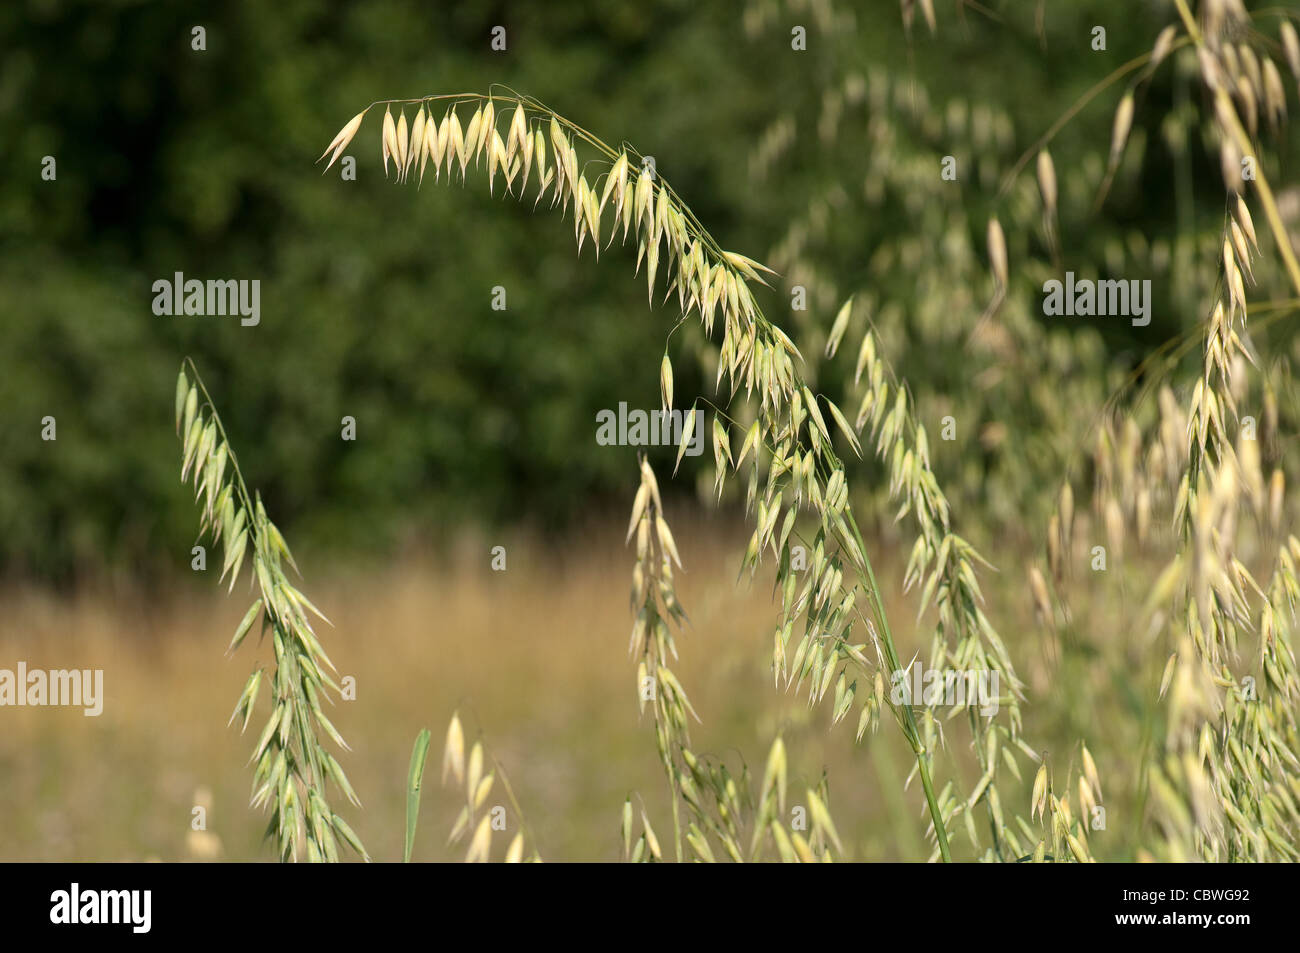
[341, 141]
[1122, 127]
[1164, 43]
[998, 253]
[389, 138]
[1047, 182]
[1291, 47]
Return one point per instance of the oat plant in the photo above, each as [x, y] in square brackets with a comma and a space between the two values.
[1220, 783]
[787, 457]
[717, 814]
[293, 766]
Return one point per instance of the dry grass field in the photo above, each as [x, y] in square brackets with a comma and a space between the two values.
[535, 657]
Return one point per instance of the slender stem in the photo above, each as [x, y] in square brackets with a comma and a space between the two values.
[677, 818]
[519, 812]
[1101, 86]
[913, 734]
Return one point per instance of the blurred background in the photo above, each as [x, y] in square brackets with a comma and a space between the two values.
[476, 427]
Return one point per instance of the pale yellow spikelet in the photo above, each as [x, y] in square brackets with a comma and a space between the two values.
[1038, 797]
[688, 431]
[1250, 67]
[418, 149]
[1274, 95]
[453, 758]
[1212, 73]
[1291, 47]
[840, 325]
[403, 144]
[580, 223]
[1238, 288]
[1042, 603]
[1047, 181]
[1241, 248]
[1164, 43]
[1114, 520]
[518, 138]
[1230, 164]
[496, 159]
[1249, 104]
[436, 143]
[614, 181]
[525, 153]
[997, 243]
[661, 222]
[481, 844]
[1066, 509]
[544, 176]
[1123, 125]
[927, 10]
[866, 356]
[344, 137]
[389, 138]
[561, 147]
[515, 852]
[457, 144]
[591, 216]
[1087, 801]
[626, 204]
[1090, 771]
[473, 136]
[474, 769]
[1276, 491]
[1231, 62]
[486, 129]
[666, 382]
[1242, 214]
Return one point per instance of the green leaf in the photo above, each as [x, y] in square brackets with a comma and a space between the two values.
[418, 754]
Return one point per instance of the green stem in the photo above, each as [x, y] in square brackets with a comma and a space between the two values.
[677, 820]
[514, 802]
[913, 734]
[1115, 76]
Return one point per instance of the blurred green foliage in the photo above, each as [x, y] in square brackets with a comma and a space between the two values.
[375, 298]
